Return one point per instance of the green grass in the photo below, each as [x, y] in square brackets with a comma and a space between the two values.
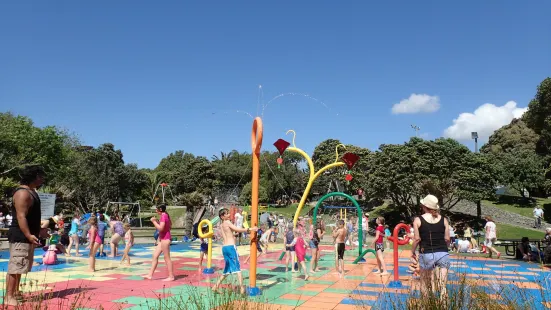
[522, 208]
[505, 231]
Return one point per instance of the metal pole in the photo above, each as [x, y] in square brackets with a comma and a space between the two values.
[476, 145]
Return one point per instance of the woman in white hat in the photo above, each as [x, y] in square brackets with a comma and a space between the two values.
[432, 235]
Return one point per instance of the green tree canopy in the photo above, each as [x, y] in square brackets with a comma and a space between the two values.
[538, 116]
[516, 135]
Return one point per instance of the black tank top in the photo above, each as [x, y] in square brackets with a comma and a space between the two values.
[33, 219]
[433, 236]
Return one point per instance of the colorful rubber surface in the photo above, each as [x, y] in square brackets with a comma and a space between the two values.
[68, 285]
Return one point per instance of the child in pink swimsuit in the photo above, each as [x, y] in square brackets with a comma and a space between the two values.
[163, 226]
[300, 250]
[95, 242]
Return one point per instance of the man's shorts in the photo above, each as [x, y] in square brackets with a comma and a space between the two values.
[21, 258]
[231, 258]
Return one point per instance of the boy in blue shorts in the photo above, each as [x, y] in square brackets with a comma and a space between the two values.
[229, 250]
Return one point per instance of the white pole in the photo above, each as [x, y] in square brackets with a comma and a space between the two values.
[140, 213]
[163, 191]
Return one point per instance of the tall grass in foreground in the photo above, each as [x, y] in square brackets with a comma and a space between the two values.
[35, 297]
[466, 294]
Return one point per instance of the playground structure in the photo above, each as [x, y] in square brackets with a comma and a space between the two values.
[118, 204]
[341, 208]
[348, 159]
[163, 187]
[208, 235]
[395, 241]
[358, 209]
[256, 145]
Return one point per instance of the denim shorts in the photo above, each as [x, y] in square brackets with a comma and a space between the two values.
[429, 261]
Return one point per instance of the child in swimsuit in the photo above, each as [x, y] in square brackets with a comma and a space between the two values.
[299, 246]
[203, 251]
[260, 239]
[102, 227]
[95, 242]
[379, 246]
[129, 242]
[340, 235]
[73, 235]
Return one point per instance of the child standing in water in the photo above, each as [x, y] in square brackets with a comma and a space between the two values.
[261, 242]
[379, 246]
[95, 242]
[73, 235]
[299, 247]
[289, 249]
[204, 250]
[339, 235]
[129, 242]
[229, 250]
[102, 227]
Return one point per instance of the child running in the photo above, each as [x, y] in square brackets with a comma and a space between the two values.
[299, 247]
[129, 242]
[163, 226]
[379, 246]
[339, 236]
[229, 250]
[95, 242]
[204, 250]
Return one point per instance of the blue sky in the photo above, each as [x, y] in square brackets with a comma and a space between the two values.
[155, 77]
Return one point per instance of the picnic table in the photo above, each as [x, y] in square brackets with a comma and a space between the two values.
[510, 245]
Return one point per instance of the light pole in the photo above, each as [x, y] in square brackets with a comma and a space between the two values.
[474, 135]
[416, 128]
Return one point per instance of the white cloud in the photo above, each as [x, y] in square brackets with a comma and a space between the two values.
[485, 120]
[417, 103]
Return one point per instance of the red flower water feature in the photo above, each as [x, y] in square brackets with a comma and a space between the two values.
[281, 146]
[349, 159]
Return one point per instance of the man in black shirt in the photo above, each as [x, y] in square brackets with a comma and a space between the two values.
[24, 231]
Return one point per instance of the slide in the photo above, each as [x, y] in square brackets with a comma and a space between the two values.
[363, 254]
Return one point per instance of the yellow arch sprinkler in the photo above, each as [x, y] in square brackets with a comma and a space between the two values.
[348, 159]
[208, 235]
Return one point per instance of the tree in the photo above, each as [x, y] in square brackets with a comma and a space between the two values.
[538, 116]
[443, 167]
[231, 171]
[186, 173]
[391, 175]
[521, 169]
[22, 143]
[192, 202]
[246, 196]
[286, 182]
[516, 135]
[98, 175]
